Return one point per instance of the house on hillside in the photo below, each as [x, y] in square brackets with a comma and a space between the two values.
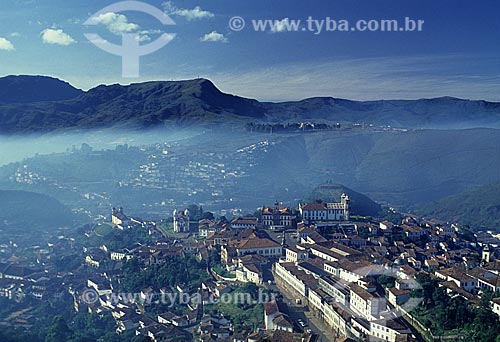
[325, 212]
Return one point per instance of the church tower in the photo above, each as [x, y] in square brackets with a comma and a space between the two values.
[346, 203]
[486, 257]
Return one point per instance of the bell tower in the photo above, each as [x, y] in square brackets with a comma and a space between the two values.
[486, 256]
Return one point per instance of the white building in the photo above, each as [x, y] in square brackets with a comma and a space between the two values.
[119, 219]
[364, 303]
[261, 246]
[388, 330]
[275, 217]
[495, 306]
[294, 254]
[276, 316]
[181, 221]
[295, 280]
[244, 222]
[460, 278]
[320, 212]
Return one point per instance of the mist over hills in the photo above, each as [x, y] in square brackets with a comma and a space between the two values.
[199, 102]
[409, 169]
[477, 207]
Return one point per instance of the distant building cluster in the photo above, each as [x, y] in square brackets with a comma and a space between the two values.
[315, 255]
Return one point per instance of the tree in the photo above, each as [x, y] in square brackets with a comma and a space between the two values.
[195, 212]
[207, 215]
[251, 289]
[58, 331]
[386, 281]
[364, 232]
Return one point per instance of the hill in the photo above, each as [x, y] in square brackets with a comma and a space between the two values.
[142, 105]
[401, 169]
[199, 102]
[443, 112]
[29, 89]
[479, 207]
[360, 204]
[22, 209]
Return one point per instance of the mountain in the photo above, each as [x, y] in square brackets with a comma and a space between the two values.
[479, 207]
[29, 89]
[443, 112]
[360, 204]
[23, 209]
[142, 105]
[40, 104]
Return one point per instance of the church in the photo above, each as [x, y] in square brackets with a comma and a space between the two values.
[325, 212]
[181, 221]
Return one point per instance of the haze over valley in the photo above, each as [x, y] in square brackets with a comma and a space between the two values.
[249, 171]
[155, 146]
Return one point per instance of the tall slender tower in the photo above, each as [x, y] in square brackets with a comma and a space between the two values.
[486, 256]
[346, 202]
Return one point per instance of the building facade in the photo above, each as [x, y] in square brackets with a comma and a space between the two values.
[181, 221]
[275, 217]
[325, 212]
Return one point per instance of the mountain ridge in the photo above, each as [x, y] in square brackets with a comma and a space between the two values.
[199, 102]
[32, 88]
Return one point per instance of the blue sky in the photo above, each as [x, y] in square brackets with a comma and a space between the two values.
[456, 54]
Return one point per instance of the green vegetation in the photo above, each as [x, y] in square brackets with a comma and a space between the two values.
[86, 328]
[103, 229]
[221, 270]
[386, 281]
[444, 315]
[114, 238]
[244, 315]
[216, 263]
[196, 213]
[174, 271]
[390, 215]
[167, 229]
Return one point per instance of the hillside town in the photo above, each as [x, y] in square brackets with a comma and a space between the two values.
[314, 272]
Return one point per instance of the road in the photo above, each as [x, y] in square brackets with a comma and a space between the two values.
[302, 312]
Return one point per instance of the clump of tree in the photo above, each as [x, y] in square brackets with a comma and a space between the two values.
[443, 314]
[174, 270]
[87, 327]
[196, 213]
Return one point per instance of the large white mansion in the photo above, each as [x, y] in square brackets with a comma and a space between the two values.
[314, 212]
